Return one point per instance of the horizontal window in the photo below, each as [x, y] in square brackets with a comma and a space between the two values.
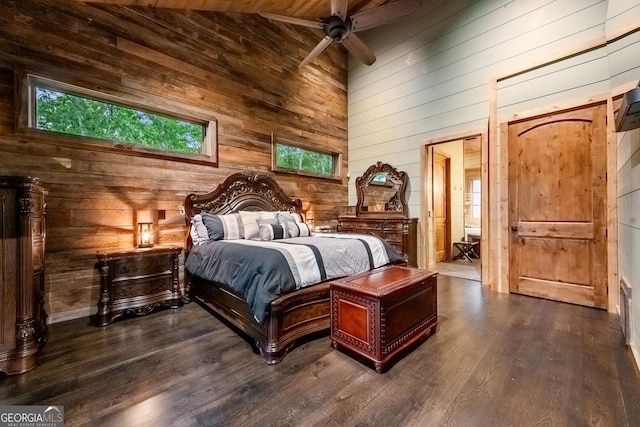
[64, 110]
[61, 112]
[298, 158]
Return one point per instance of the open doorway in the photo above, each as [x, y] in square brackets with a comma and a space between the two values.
[454, 207]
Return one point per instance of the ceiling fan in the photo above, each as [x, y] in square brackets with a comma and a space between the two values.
[340, 28]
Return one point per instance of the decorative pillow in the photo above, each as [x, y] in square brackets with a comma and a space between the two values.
[250, 224]
[264, 221]
[272, 216]
[286, 216]
[223, 227]
[272, 231]
[298, 229]
[198, 231]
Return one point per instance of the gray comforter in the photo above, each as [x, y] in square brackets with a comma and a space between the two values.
[262, 271]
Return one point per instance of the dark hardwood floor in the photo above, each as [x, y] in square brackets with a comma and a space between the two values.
[496, 360]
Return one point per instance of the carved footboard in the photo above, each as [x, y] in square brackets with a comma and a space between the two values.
[292, 316]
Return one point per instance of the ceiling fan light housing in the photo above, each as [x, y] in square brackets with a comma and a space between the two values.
[337, 29]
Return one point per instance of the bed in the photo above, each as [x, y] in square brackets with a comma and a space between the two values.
[290, 312]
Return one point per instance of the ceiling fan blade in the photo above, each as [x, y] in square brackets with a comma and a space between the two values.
[356, 46]
[291, 20]
[326, 41]
[339, 8]
[383, 14]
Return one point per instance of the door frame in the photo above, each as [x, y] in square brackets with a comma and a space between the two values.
[427, 238]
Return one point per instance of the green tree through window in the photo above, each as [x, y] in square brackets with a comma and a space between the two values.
[296, 159]
[72, 114]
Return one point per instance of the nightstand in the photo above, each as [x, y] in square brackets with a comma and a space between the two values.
[137, 281]
[324, 229]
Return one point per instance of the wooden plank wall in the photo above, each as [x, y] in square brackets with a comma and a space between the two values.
[432, 77]
[623, 22]
[578, 77]
[239, 69]
[625, 69]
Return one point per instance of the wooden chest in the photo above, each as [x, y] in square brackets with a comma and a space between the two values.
[379, 314]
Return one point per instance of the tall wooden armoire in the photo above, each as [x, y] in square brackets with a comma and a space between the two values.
[22, 238]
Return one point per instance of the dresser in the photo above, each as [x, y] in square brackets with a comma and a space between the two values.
[382, 210]
[400, 232]
[22, 233]
[137, 281]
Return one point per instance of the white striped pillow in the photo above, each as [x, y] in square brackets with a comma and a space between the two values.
[298, 229]
[223, 227]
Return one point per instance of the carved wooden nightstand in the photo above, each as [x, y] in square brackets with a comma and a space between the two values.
[137, 281]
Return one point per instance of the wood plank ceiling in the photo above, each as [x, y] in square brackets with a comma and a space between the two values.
[298, 8]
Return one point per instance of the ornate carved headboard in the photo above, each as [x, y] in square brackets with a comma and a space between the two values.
[244, 191]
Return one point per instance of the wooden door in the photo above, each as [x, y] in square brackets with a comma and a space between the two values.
[557, 215]
[441, 210]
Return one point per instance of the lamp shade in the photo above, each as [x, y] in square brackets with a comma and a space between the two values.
[145, 234]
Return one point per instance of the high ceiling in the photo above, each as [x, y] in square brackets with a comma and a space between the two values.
[297, 8]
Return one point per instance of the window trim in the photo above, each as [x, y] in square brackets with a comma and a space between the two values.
[472, 174]
[27, 82]
[473, 204]
[337, 158]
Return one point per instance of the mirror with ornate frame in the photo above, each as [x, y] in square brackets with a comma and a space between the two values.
[381, 191]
